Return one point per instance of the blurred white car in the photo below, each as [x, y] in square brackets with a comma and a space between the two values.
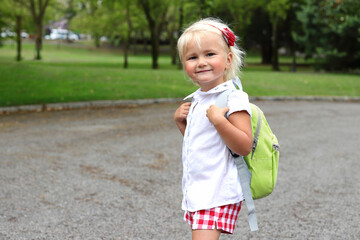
[73, 36]
[24, 35]
[7, 33]
[61, 34]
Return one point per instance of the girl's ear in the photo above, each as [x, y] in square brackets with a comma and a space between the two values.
[229, 59]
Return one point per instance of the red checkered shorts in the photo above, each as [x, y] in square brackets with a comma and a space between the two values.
[222, 218]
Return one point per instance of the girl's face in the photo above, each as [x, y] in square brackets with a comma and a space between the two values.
[206, 65]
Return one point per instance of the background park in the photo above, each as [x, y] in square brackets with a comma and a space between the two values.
[126, 49]
[115, 172]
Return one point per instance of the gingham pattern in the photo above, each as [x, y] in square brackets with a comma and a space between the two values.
[222, 218]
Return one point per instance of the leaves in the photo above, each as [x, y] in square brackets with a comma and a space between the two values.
[329, 33]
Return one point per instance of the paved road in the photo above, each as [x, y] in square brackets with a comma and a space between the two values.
[115, 174]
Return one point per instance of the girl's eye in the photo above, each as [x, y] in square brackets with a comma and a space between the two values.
[211, 54]
[192, 58]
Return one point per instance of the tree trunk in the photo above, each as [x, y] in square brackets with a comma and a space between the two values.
[18, 37]
[275, 57]
[128, 37]
[126, 47]
[38, 40]
[173, 51]
[154, 47]
[97, 40]
[266, 44]
[134, 43]
[181, 20]
[293, 53]
[155, 27]
[172, 42]
[293, 64]
[266, 51]
[38, 18]
[145, 41]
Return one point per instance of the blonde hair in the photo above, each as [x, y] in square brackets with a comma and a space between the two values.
[199, 29]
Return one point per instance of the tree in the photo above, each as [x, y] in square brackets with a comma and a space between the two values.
[155, 12]
[15, 12]
[204, 8]
[238, 13]
[175, 19]
[18, 18]
[69, 13]
[292, 25]
[37, 9]
[92, 18]
[330, 33]
[3, 20]
[259, 33]
[118, 24]
[128, 32]
[277, 10]
[119, 20]
[249, 21]
[134, 21]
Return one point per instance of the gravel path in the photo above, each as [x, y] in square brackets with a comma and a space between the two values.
[115, 173]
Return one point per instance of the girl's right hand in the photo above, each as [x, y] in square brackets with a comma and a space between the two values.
[180, 116]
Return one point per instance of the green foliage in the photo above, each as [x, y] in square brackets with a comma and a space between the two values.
[330, 33]
[91, 18]
[237, 13]
[277, 9]
[11, 8]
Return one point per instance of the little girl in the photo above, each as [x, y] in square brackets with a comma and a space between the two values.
[212, 194]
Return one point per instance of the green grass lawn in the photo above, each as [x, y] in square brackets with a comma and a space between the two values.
[69, 74]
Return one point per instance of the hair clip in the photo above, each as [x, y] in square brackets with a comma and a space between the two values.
[228, 35]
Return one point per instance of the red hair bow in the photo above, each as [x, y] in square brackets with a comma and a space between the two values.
[229, 36]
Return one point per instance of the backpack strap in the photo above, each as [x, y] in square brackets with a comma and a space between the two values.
[257, 132]
[237, 84]
[243, 170]
[245, 180]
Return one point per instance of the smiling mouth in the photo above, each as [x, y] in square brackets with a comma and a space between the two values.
[202, 71]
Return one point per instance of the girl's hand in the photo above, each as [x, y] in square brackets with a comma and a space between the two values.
[216, 115]
[180, 116]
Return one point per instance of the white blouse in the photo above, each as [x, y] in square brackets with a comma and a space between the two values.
[209, 173]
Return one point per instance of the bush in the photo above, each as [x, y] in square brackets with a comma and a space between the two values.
[330, 33]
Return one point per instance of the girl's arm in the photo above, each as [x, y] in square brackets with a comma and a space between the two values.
[180, 116]
[236, 132]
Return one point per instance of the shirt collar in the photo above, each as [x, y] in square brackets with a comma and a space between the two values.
[219, 88]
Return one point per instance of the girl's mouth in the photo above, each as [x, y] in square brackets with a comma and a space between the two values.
[202, 71]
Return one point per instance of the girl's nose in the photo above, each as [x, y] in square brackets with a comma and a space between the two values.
[202, 61]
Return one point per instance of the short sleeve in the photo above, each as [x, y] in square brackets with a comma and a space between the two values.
[238, 101]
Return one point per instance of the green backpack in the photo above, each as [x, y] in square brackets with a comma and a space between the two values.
[258, 170]
[264, 157]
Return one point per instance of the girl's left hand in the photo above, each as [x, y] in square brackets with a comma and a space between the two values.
[216, 115]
